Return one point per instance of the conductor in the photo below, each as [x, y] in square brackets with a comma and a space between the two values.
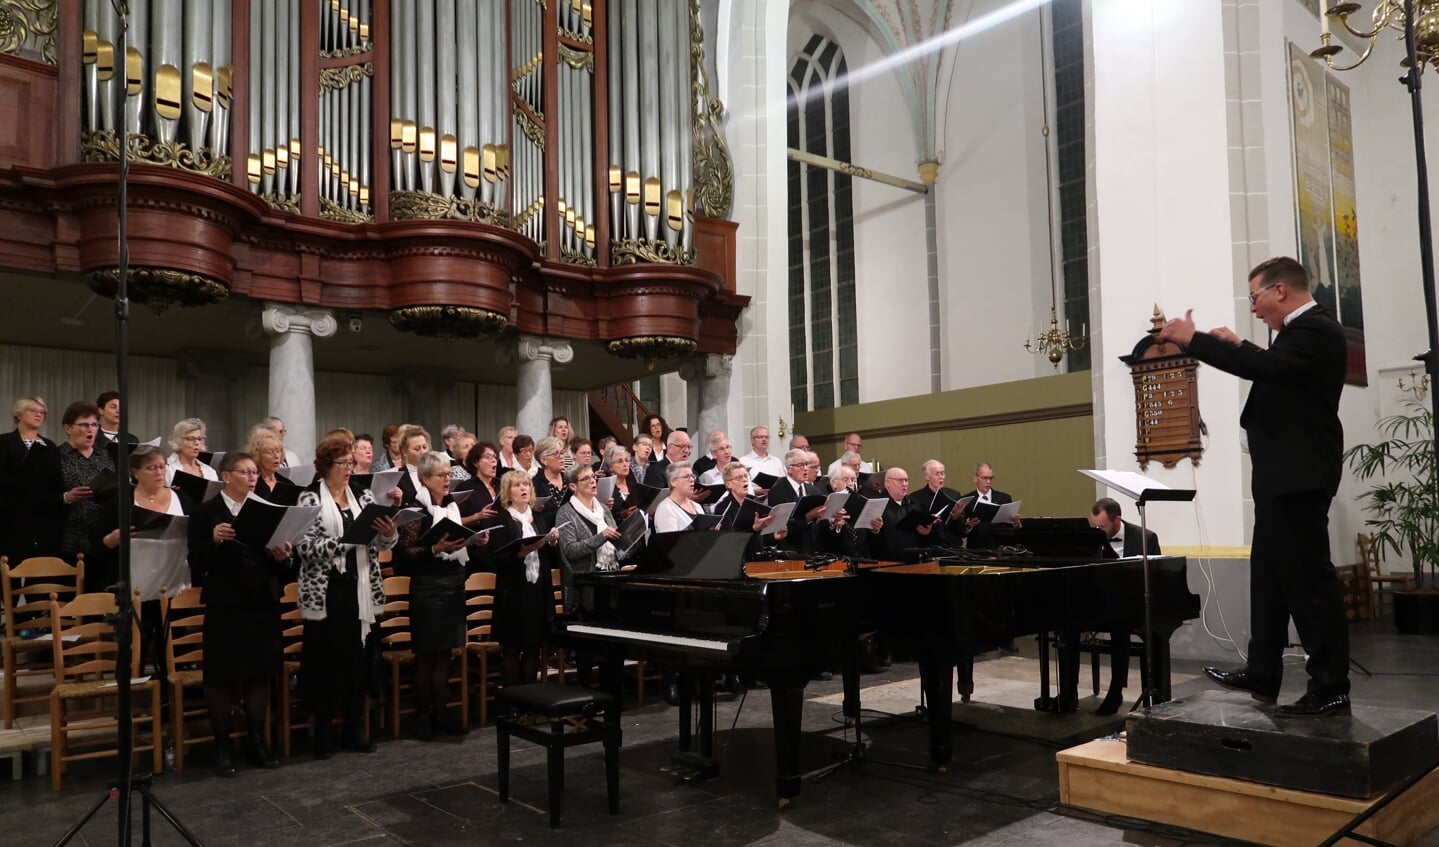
[1296, 445]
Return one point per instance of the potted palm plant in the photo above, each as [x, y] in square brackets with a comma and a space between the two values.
[1402, 504]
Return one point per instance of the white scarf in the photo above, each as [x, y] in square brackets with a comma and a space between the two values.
[527, 530]
[335, 527]
[451, 511]
[605, 554]
[422, 494]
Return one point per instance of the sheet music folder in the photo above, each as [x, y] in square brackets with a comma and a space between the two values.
[694, 555]
[1137, 486]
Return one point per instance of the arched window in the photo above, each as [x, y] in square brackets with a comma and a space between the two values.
[823, 334]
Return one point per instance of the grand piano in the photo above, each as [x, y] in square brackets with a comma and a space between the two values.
[691, 605]
[1050, 579]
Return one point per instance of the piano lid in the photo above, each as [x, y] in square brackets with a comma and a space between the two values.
[695, 554]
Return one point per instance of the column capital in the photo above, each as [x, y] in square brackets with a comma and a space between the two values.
[718, 365]
[280, 318]
[532, 348]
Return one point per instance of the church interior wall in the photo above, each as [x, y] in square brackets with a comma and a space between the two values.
[993, 229]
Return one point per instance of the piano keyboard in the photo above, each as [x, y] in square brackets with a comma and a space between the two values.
[717, 645]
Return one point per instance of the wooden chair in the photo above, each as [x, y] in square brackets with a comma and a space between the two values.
[292, 636]
[1381, 585]
[27, 607]
[394, 626]
[480, 643]
[555, 659]
[86, 655]
[184, 617]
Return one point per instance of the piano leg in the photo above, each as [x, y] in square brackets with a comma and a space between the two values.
[787, 705]
[849, 661]
[689, 762]
[936, 668]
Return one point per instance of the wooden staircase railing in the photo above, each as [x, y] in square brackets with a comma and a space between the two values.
[617, 409]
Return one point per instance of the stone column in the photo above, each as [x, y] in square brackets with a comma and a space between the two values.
[534, 399]
[292, 368]
[693, 373]
[714, 394]
[210, 377]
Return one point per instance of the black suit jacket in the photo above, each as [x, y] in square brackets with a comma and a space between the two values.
[799, 537]
[981, 537]
[231, 574]
[1133, 535]
[702, 464]
[1296, 442]
[31, 511]
[655, 473]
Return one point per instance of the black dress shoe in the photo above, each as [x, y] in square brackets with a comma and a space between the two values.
[1315, 705]
[260, 754]
[1112, 701]
[224, 765]
[1260, 688]
[360, 744]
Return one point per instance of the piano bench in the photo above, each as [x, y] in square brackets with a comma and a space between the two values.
[556, 717]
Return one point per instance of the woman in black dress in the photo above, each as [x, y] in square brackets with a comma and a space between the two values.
[437, 598]
[79, 462]
[413, 442]
[341, 595]
[550, 481]
[482, 507]
[29, 486]
[268, 452]
[243, 647]
[524, 594]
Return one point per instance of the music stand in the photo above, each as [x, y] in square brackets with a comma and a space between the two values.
[1142, 490]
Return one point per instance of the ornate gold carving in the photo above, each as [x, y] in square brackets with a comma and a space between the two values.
[335, 212]
[103, 146]
[421, 206]
[352, 50]
[335, 79]
[713, 166]
[652, 347]
[533, 131]
[283, 202]
[581, 37]
[448, 321]
[629, 251]
[574, 257]
[580, 60]
[160, 288]
[28, 28]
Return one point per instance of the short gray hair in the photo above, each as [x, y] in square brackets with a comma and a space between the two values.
[182, 429]
[674, 470]
[433, 461]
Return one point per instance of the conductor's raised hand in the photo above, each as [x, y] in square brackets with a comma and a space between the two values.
[1179, 330]
[1224, 333]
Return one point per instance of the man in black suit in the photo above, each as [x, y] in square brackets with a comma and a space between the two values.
[795, 487]
[1296, 447]
[677, 449]
[1124, 539]
[977, 515]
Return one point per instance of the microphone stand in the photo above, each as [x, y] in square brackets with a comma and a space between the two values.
[127, 781]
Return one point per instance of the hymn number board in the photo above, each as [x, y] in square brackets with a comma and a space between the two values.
[1166, 401]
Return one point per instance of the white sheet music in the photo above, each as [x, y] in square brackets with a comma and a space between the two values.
[383, 481]
[873, 508]
[1008, 512]
[781, 515]
[605, 488]
[833, 503]
[292, 526]
[1128, 483]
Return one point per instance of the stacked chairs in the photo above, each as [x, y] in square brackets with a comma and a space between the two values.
[86, 656]
[184, 617]
[395, 652]
[292, 636]
[480, 643]
[28, 655]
